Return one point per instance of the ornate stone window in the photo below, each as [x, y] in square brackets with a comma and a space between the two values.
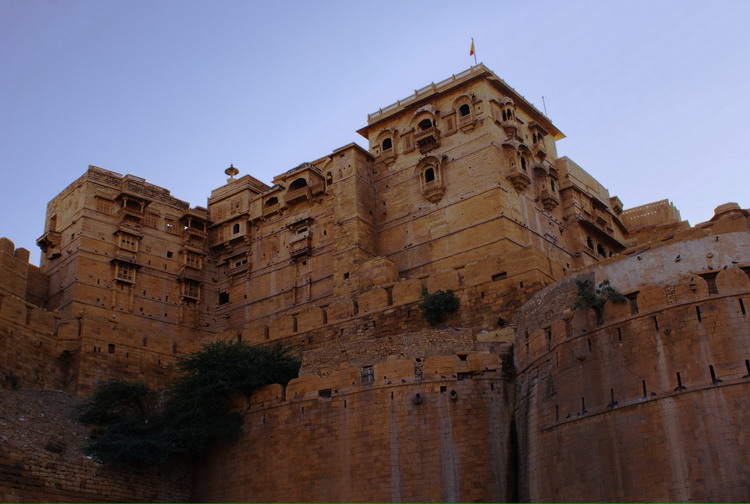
[429, 170]
[125, 272]
[298, 191]
[464, 110]
[387, 144]
[191, 289]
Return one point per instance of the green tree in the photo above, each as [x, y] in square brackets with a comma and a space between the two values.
[595, 298]
[438, 305]
[129, 429]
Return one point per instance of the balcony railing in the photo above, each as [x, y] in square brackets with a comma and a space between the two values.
[300, 248]
[270, 209]
[190, 232]
[427, 139]
[295, 195]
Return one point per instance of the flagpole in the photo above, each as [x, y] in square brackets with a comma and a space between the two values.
[474, 51]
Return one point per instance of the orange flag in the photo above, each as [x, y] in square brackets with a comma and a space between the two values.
[471, 51]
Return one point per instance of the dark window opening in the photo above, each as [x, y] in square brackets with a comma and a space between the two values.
[589, 243]
[110, 348]
[600, 250]
[679, 386]
[742, 307]
[223, 298]
[633, 300]
[523, 163]
[710, 279]
[425, 124]
[464, 110]
[272, 201]
[499, 276]
[235, 228]
[325, 393]
[346, 276]
[367, 374]
[298, 184]
[698, 313]
[429, 175]
[169, 255]
[714, 379]
[387, 144]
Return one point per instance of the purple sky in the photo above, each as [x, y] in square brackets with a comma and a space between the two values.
[654, 96]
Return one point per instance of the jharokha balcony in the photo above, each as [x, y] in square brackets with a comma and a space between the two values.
[427, 139]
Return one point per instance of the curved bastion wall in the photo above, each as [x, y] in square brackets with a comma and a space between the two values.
[437, 429]
[651, 404]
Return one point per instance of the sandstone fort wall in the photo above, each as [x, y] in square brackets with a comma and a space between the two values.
[435, 429]
[662, 382]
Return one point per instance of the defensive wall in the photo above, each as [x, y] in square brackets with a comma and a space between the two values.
[386, 319]
[34, 474]
[650, 404]
[437, 429]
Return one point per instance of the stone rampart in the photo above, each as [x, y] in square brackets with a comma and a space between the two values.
[409, 430]
[662, 380]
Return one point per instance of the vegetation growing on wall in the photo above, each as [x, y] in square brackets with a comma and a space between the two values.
[130, 429]
[438, 305]
[595, 298]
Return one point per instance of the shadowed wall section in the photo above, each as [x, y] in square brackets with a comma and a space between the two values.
[438, 430]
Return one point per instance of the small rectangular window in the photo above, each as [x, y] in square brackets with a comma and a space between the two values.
[223, 298]
[710, 279]
[368, 375]
[125, 271]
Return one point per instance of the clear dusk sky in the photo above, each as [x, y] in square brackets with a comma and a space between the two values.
[653, 96]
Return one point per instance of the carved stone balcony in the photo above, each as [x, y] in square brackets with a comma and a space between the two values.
[467, 123]
[318, 188]
[427, 139]
[433, 191]
[295, 195]
[190, 273]
[300, 248]
[193, 234]
[132, 212]
[550, 199]
[540, 151]
[270, 209]
[510, 127]
[519, 178]
[49, 242]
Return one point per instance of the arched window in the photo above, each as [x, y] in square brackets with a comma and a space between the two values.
[429, 175]
[505, 116]
[329, 178]
[589, 243]
[552, 185]
[387, 144]
[600, 250]
[425, 124]
[272, 201]
[235, 228]
[523, 163]
[297, 184]
[464, 110]
[509, 114]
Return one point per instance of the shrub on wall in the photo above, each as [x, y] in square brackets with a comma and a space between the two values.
[129, 429]
[438, 305]
[595, 298]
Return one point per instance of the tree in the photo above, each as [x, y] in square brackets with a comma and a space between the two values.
[438, 305]
[589, 297]
[129, 429]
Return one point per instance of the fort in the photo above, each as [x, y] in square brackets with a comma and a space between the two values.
[515, 397]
